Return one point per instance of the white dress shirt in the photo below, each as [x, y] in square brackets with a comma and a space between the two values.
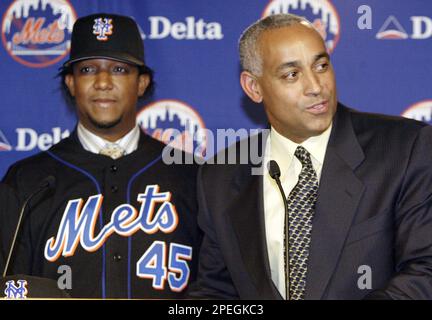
[282, 150]
[94, 143]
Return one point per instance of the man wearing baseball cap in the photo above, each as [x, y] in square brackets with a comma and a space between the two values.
[121, 221]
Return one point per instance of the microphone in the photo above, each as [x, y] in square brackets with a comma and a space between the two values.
[274, 172]
[46, 184]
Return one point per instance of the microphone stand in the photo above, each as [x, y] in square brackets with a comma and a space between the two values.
[46, 183]
[274, 171]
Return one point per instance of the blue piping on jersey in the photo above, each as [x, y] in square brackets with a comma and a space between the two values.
[130, 238]
[100, 215]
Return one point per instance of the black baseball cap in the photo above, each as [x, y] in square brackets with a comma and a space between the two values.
[108, 36]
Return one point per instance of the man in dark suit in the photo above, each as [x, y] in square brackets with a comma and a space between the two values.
[8, 206]
[358, 188]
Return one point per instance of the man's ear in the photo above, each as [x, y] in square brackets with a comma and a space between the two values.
[251, 86]
[70, 83]
[143, 83]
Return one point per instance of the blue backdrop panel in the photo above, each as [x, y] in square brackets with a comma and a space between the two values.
[381, 54]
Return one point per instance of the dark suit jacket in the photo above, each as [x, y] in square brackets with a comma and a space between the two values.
[8, 206]
[374, 208]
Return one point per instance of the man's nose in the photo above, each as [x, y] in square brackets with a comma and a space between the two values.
[103, 81]
[312, 84]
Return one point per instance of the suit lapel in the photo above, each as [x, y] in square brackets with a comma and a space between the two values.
[247, 217]
[339, 194]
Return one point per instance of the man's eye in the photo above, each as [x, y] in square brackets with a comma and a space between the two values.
[322, 66]
[290, 75]
[86, 69]
[120, 69]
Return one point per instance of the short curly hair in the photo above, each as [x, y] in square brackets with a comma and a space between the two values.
[250, 58]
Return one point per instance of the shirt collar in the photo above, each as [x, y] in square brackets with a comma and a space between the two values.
[94, 143]
[283, 149]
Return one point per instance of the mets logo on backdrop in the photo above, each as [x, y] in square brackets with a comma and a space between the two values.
[321, 13]
[37, 33]
[176, 123]
[421, 111]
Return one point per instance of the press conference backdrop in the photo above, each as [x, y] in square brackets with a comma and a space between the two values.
[381, 51]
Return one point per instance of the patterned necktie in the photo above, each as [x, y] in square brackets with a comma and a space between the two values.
[112, 150]
[301, 205]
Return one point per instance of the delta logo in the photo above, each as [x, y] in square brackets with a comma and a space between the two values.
[421, 111]
[4, 143]
[175, 123]
[321, 13]
[392, 29]
[29, 139]
[36, 33]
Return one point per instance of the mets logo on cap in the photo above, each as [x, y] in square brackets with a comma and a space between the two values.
[176, 123]
[102, 28]
[37, 33]
[421, 111]
[321, 13]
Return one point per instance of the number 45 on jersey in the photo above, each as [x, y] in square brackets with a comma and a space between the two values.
[153, 265]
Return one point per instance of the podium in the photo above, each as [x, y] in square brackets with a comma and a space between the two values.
[24, 286]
